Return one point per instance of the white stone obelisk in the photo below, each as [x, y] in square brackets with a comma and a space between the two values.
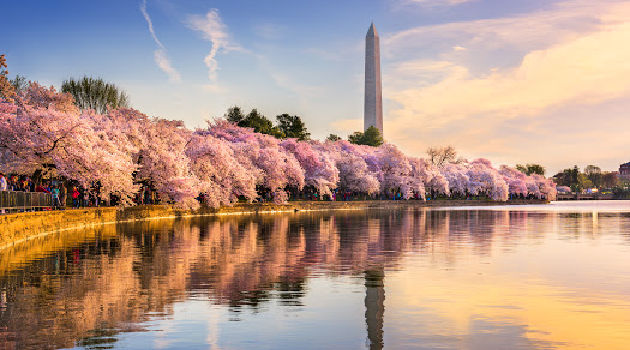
[373, 109]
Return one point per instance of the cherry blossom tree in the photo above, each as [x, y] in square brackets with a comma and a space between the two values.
[35, 139]
[278, 167]
[516, 180]
[39, 96]
[546, 187]
[483, 178]
[456, 175]
[222, 179]
[319, 169]
[354, 175]
[163, 162]
[395, 170]
[417, 177]
[433, 179]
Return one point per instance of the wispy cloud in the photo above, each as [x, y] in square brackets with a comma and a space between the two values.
[215, 31]
[161, 59]
[165, 65]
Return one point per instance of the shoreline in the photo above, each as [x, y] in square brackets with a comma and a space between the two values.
[18, 228]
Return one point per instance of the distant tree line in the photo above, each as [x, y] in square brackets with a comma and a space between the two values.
[592, 177]
[531, 169]
[287, 126]
[292, 126]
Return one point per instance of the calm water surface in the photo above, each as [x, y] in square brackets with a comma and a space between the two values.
[521, 277]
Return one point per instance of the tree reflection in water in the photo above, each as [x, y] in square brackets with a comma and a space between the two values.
[84, 289]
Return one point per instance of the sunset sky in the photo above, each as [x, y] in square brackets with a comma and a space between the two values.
[512, 81]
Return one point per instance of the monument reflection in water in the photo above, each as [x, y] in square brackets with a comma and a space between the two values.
[404, 279]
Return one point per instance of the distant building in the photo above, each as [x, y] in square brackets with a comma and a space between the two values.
[624, 171]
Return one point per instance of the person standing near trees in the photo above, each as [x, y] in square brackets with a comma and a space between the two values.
[82, 197]
[75, 197]
[55, 193]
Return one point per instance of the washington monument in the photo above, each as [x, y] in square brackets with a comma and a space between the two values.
[373, 109]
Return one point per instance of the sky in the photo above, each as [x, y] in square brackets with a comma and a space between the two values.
[520, 81]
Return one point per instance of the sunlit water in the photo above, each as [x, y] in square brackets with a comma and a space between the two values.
[522, 277]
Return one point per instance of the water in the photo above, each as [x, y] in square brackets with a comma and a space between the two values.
[526, 277]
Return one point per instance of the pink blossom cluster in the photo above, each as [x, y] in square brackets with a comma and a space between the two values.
[223, 162]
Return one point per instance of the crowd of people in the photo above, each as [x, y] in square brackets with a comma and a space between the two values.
[69, 194]
[64, 194]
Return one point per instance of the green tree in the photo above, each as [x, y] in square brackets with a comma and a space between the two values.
[594, 173]
[260, 124]
[95, 93]
[371, 137]
[19, 83]
[288, 125]
[234, 115]
[609, 180]
[568, 177]
[333, 137]
[575, 179]
[584, 182]
[531, 169]
[292, 126]
[356, 138]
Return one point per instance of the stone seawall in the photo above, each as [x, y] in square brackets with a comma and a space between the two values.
[21, 227]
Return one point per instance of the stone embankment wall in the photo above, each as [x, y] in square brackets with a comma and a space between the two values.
[21, 227]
